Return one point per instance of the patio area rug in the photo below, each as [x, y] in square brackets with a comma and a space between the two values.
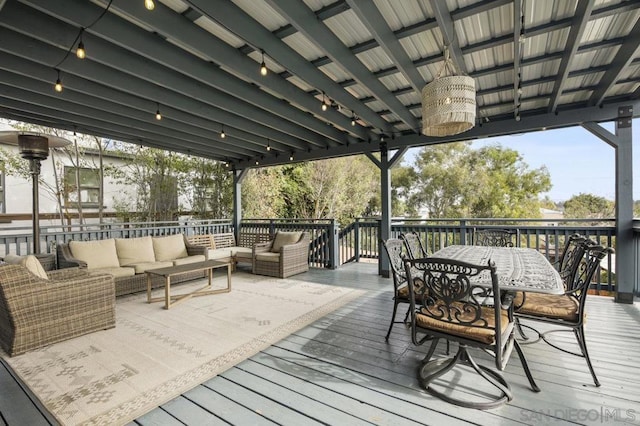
[113, 376]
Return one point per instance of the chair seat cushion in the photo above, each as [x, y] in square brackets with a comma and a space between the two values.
[268, 257]
[550, 306]
[472, 332]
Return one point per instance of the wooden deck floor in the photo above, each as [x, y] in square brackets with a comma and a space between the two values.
[340, 371]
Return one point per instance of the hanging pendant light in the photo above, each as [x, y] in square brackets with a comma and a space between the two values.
[448, 102]
[149, 4]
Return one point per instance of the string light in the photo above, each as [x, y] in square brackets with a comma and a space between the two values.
[58, 85]
[222, 133]
[80, 51]
[158, 115]
[263, 66]
[353, 119]
[324, 103]
[268, 145]
[291, 157]
[149, 4]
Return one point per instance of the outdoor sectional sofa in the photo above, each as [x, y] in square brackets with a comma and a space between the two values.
[128, 258]
[38, 308]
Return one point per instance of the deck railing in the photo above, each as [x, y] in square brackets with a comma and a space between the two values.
[331, 247]
[361, 238]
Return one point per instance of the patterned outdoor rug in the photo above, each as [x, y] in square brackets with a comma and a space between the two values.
[113, 376]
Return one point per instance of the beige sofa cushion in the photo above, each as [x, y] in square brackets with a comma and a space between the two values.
[116, 271]
[169, 248]
[132, 251]
[145, 266]
[189, 259]
[283, 238]
[97, 254]
[242, 252]
[30, 262]
[221, 253]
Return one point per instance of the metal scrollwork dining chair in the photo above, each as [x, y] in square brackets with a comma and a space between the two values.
[566, 310]
[394, 247]
[494, 237]
[446, 302]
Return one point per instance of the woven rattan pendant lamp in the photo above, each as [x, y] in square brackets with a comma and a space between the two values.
[448, 102]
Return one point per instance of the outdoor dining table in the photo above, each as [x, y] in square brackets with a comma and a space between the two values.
[518, 268]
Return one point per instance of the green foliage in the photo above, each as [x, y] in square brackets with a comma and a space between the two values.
[636, 209]
[339, 188]
[452, 180]
[588, 206]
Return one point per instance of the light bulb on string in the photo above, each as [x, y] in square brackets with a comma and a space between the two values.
[263, 66]
[158, 115]
[149, 4]
[80, 52]
[58, 85]
[268, 145]
[222, 133]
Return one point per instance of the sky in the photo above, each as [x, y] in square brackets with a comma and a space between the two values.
[578, 162]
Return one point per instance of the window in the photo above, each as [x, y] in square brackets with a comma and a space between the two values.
[89, 186]
[2, 206]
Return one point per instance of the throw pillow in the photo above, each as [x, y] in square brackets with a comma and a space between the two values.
[283, 238]
[34, 266]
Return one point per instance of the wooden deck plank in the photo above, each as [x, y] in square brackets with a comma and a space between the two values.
[189, 413]
[18, 406]
[276, 409]
[304, 404]
[157, 417]
[359, 407]
[222, 406]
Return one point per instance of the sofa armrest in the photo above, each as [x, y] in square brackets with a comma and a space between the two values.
[66, 259]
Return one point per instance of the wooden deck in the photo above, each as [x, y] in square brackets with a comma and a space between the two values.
[340, 371]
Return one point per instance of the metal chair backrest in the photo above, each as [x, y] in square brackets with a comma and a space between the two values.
[494, 237]
[394, 248]
[572, 255]
[414, 246]
[588, 266]
[446, 291]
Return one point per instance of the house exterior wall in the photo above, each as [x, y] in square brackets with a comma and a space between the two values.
[18, 191]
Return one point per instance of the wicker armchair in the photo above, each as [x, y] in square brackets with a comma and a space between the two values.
[281, 261]
[35, 312]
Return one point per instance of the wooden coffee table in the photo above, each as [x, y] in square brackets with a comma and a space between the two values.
[170, 271]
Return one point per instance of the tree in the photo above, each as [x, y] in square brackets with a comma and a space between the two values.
[455, 181]
[636, 209]
[588, 206]
[339, 188]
